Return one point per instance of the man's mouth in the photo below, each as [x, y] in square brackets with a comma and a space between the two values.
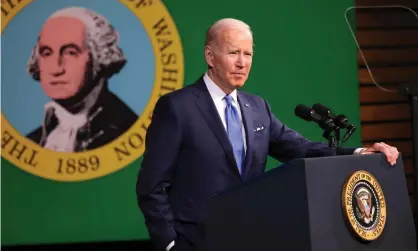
[58, 82]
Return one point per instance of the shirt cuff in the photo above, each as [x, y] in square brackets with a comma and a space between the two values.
[169, 246]
[358, 150]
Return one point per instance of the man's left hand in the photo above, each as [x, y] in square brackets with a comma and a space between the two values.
[391, 152]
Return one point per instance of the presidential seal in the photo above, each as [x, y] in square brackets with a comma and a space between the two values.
[80, 83]
[364, 205]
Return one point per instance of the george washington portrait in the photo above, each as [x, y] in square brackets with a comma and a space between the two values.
[75, 56]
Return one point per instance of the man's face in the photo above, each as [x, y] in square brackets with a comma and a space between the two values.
[230, 58]
[63, 57]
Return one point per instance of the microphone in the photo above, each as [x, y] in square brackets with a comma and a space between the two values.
[340, 120]
[323, 111]
[308, 114]
[349, 133]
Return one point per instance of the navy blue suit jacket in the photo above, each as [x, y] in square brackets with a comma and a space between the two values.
[188, 158]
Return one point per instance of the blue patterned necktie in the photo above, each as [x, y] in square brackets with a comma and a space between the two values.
[234, 130]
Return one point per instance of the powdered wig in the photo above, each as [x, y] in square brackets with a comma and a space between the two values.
[101, 38]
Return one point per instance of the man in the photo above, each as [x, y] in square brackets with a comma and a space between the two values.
[75, 55]
[209, 136]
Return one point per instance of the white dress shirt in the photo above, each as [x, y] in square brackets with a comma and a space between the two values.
[218, 98]
[63, 137]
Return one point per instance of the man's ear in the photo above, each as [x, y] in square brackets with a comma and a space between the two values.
[209, 55]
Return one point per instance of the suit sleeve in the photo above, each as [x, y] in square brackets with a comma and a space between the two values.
[287, 144]
[162, 145]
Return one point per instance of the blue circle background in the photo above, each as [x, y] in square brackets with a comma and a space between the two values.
[22, 97]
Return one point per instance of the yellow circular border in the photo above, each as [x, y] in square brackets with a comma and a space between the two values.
[106, 159]
[366, 235]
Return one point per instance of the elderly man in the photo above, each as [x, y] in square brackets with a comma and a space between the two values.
[207, 133]
[75, 55]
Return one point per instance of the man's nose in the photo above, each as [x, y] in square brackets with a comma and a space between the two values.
[240, 61]
[57, 67]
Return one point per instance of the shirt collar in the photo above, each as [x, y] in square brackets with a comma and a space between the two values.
[216, 92]
[67, 119]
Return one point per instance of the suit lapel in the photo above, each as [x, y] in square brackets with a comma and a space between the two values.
[206, 106]
[246, 112]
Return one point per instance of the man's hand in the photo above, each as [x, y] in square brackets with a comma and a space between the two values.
[391, 152]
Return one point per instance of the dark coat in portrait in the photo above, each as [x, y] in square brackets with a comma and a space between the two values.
[107, 120]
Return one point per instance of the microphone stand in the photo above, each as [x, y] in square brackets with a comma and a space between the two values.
[337, 136]
[333, 139]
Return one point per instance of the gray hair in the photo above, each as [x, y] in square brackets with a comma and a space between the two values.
[213, 31]
[101, 38]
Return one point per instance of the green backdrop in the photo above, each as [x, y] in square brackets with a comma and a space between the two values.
[304, 53]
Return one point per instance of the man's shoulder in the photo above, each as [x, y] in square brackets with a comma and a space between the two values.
[182, 92]
[252, 98]
[114, 112]
[35, 135]
[186, 92]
